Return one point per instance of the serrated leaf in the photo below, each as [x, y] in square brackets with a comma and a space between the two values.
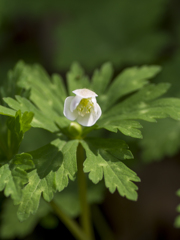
[40, 120]
[127, 127]
[10, 87]
[52, 180]
[101, 78]
[47, 95]
[48, 158]
[141, 105]
[23, 161]
[163, 138]
[103, 158]
[76, 78]
[69, 166]
[130, 80]
[139, 99]
[13, 176]
[8, 185]
[17, 126]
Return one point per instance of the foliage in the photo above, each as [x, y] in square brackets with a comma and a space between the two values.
[55, 33]
[164, 136]
[48, 169]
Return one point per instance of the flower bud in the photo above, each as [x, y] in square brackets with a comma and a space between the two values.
[75, 129]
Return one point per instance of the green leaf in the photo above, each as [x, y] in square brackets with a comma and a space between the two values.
[32, 192]
[76, 78]
[130, 80]
[23, 161]
[101, 78]
[48, 158]
[7, 111]
[103, 158]
[13, 176]
[26, 120]
[8, 184]
[68, 168]
[138, 100]
[163, 138]
[17, 127]
[11, 227]
[40, 120]
[48, 177]
[10, 87]
[160, 140]
[141, 105]
[127, 127]
[47, 95]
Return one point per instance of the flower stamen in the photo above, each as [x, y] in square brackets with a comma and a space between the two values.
[85, 106]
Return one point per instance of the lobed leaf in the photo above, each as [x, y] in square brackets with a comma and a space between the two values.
[164, 136]
[13, 176]
[17, 126]
[47, 95]
[40, 120]
[142, 105]
[101, 79]
[76, 78]
[7, 111]
[130, 80]
[127, 127]
[48, 178]
[103, 157]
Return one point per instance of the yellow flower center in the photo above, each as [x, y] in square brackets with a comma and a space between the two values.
[85, 106]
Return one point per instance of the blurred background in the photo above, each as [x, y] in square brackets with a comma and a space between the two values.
[126, 32]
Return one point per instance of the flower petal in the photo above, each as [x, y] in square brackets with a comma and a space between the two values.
[94, 101]
[75, 102]
[67, 112]
[85, 93]
[97, 110]
[91, 118]
[86, 121]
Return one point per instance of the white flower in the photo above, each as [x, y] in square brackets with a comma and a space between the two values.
[83, 107]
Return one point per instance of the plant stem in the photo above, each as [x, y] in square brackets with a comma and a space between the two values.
[85, 219]
[70, 224]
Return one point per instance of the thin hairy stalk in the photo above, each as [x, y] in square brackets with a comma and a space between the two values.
[73, 227]
[85, 218]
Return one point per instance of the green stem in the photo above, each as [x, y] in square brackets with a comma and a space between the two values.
[70, 224]
[85, 219]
